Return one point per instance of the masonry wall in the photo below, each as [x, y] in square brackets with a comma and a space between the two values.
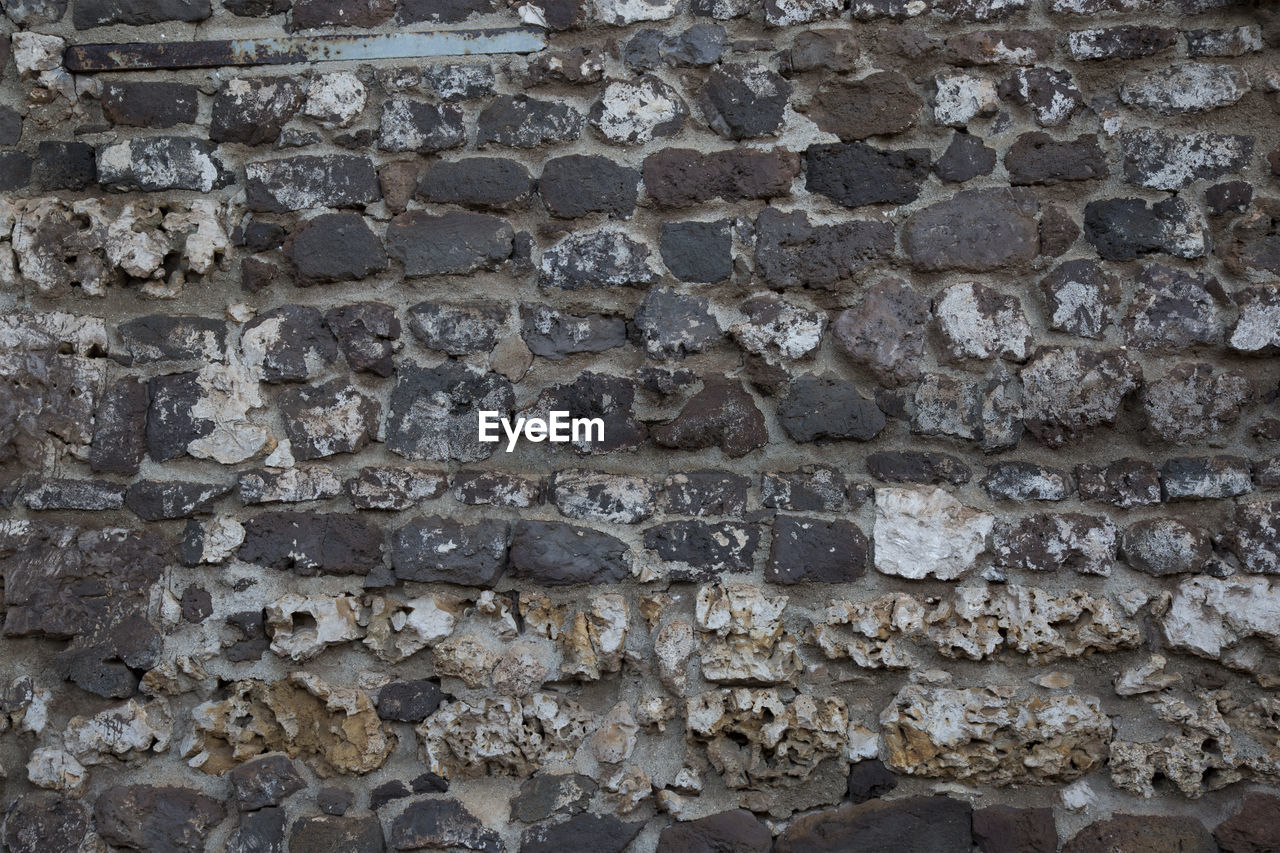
[934, 345]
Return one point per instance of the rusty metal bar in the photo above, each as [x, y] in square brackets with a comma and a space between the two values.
[140, 56]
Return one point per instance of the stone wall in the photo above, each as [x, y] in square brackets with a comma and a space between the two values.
[936, 508]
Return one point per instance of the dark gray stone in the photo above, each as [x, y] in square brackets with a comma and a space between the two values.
[52, 493]
[254, 111]
[334, 247]
[409, 125]
[44, 822]
[1205, 477]
[435, 549]
[913, 466]
[744, 101]
[556, 335]
[161, 337]
[458, 328]
[965, 159]
[323, 420]
[518, 121]
[154, 500]
[100, 13]
[1173, 310]
[810, 488]
[593, 259]
[549, 794]
[1049, 93]
[433, 411]
[869, 780]
[1122, 229]
[307, 181]
[1027, 481]
[856, 174]
[367, 333]
[698, 251]
[341, 13]
[909, 824]
[492, 183]
[814, 550]
[266, 780]
[792, 253]
[700, 551]
[311, 542]
[673, 324]
[1038, 158]
[1166, 546]
[453, 243]
[721, 415]
[551, 553]
[578, 185]
[707, 493]
[150, 104]
[682, 177]
[146, 817]
[597, 833]
[1125, 483]
[593, 395]
[1080, 297]
[974, 231]
[881, 104]
[409, 701]
[322, 834]
[737, 831]
[817, 407]
[120, 428]
[157, 163]
[294, 342]
[885, 331]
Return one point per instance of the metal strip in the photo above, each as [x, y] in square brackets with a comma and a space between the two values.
[285, 50]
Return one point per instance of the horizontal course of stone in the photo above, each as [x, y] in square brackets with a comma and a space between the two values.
[937, 506]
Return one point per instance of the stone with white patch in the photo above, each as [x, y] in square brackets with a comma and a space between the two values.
[619, 13]
[1189, 87]
[335, 100]
[926, 532]
[960, 98]
[634, 112]
[978, 322]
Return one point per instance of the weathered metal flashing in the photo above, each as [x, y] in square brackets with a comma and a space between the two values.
[142, 56]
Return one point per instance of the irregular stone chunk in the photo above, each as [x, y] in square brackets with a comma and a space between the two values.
[27, 12]
[1005, 829]
[1122, 229]
[812, 550]
[98, 13]
[265, 781]
[1125, 483]
[706, 493]
[782, 13]
[1169, 161]
[367, 333]
[721, 415]
[1253, 537]
[1069, 391]
[1026, 481]
[1124, 42]
[738, 830]
[335, 100]
[946, 406]
[597, 496]
[1166, 546]
[991, 736]
[885, 331]
[881, 104]
[334, 247]
[408, 125]
[911, 466]
[959, 98]
[673, 325]
[701, 44]
[458, 328]
[594, 395]
[1124, 831]
[453, 243]
[360, 833]
[518, 121]
[809, 488]
[287, 344]
[307, 181]
[924, 531]
[695, 551]
[146, 817]
[1080, 297]
[393, 488]
[774, 326]
[1049, 542]
[336, 13]
[1000, 47]
[635, 112]
[503, 736]
[682, 177]
[1038, 158]
[442, 824]
[855, 174]
[744, 101]
[333, 729]
[698, 251]
[1173, 310]
[149, 104]
[1050, 94]
[604, 832]
[67, 493]
[577, 185]
[551, 553]
[978, 322]
[965, 158]
[817, 407]
[433, 411]
[449, 12]
[975, 11]
[409, 701]
[183, 338]
[1257, 330]
[1243, 832]
[290, 485]
[153, 500]
[746, 750]
[742, 640]
[308, 543]
[1189, 403]
[254, 111]
[605, 257]
[1189, 87]
[792, 253]
[159, 163]
[41, 822]
[555, 335]
[936, 824]
[974, 231]
[1205, 477]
